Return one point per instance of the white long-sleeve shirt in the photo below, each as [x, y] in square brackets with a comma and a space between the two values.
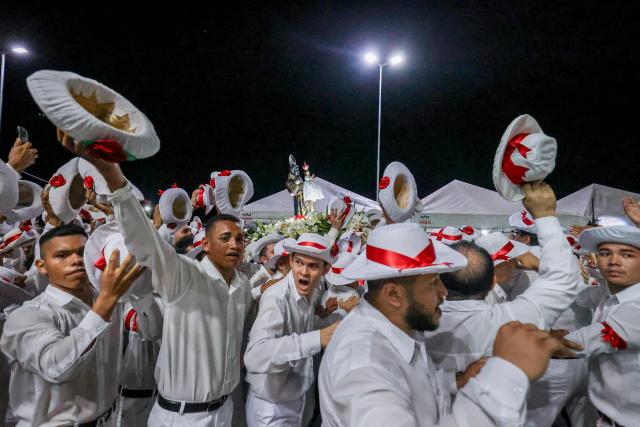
[57, 376]
[283, 340]
[469, 327]
[614, 373]
[199, 359]
[374, 374]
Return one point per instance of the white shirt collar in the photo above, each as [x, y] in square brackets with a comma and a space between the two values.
[213, 271]
[631, 293]
[61, 297]
[403, 343]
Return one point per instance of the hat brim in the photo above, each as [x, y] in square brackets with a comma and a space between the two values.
[337, 279]
[387, 197]
[591, 238]
[262, 243]
[324, 255]
[93, 250]
[363, 269]
[24, 213]
[222, 201]
[193, 253]
[168, 198]
[518, 249]
[52, 92]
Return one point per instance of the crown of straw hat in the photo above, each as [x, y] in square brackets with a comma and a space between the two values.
[403, 249]
[313, 245]
[501, 248]
[447, 235]
[525, 154]
[591, 238]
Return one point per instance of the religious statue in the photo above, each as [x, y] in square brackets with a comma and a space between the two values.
[295, 185]
[311, 191]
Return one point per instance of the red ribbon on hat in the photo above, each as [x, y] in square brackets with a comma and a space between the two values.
[467, 229]
[85, 215]
[501, 255]
[172, 225]
[25, 226]
[131, 321]
[347, 201]
[198, 243]
[574, 243]
[610, 336]
[299, 216]
[6, 280]
[88, 182]
[101, 263]
[57, 181]
[402, 262]
[350, 247]
[440, 235]
[225, 172]
[361, 282]
[313, 245]
[337, 270]
[10, 240]
[200, 198]
[384, 182]
[514, 172]
[334, 250]
[525, 219]
[107, 149]
[212, 182]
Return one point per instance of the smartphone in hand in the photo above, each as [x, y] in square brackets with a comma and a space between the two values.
[23, 134]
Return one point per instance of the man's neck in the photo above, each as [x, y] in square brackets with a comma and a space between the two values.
[392, 317]
[614, 289]
[83, 294]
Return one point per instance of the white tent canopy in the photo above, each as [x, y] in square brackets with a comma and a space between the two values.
[459, 203]
[280, 204]
[597, 201]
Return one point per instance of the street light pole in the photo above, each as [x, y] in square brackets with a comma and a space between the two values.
[1, 88]
[379, 128]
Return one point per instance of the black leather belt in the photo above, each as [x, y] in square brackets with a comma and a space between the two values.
[175, 406]
[102, 418]
[606, 419]
[137, 394]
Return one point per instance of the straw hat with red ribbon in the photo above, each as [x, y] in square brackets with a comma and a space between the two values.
[313, 245]
[523, 221]
[447, 235]
[501, 248]
[525, 154]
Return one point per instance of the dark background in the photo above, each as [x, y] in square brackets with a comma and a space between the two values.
[243, 88]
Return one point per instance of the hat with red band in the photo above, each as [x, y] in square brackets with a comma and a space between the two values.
[523, 221]
[469, 233]
[344, 208]
[198, 237]
[67, 193]
[232, 189]
[447, 235]
[110, 126]
[403, 249]
[351, 244]
[334, 276]
[175, 207]
[313, 245]
[501, 248]
[525, 154]
[262, 243]
[17, 238]
[398, 193]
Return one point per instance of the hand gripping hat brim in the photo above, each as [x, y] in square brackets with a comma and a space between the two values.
[29, 202]
[232, 190]
[313, 245]
[344, 209]
[95, 115]
[591, 238]
[175, 206]
[67, 192]
[97, 252]
[8, 289]
[404, 249]
[525, 154]
[398, 192]
[262, 243]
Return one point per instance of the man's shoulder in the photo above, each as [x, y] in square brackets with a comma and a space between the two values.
[35, 310]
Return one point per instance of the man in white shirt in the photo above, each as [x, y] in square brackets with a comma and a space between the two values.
[376, 370]
[285, 337]
[612, 341]
[64, 346]
[206, 306]
[469, 325]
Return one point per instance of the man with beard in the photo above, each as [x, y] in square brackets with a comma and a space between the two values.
[64, 346]
[285, 337]
[376, 370]
[206, 305]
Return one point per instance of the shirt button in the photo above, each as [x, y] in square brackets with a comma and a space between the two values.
[519, 390]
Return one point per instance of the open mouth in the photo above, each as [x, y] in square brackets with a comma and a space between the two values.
[304, 283]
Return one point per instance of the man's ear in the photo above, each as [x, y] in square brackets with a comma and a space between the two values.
[327, 267]
[527, 239]
[393, 294]
[205, 244]
[41, 267]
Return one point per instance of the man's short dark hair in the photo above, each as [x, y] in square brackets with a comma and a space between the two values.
[62, 231]
[476, 277]
[221, 217]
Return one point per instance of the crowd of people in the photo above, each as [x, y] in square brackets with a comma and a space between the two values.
[110, 317]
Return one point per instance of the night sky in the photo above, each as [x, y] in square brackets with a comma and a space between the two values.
[241, 89]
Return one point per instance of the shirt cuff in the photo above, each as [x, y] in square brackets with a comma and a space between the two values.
[504, 381]
[548, 227]
[310, 343]
[93, 324]
[121, 194]
[18, 176]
